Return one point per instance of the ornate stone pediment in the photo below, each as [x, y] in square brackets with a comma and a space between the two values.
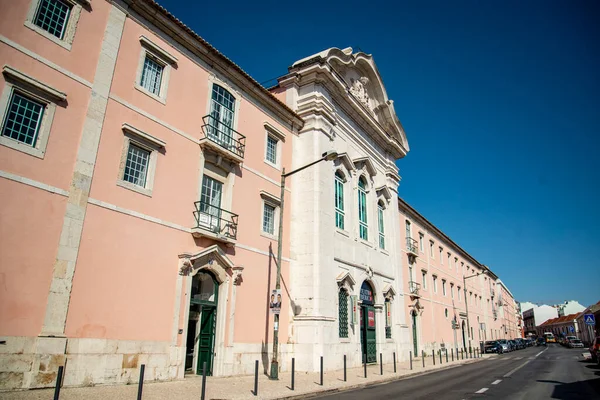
[346, 281]
[340, 80]
[213, 259]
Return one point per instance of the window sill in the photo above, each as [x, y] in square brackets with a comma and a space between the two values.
[274, 166]
[134, 188]
[390, 340]
[384, 251]
[342, 232]
[23, 148]
[62, 43]
[345, 340]
[268, 235]
[365, 243]
[151, 95]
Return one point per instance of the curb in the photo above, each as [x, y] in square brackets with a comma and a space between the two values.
[372, 383]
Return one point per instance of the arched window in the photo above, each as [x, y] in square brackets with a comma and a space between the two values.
[339, 200]
[380, 209]
[362, 209]
[222, 110]
[388, 319]
[343, 312]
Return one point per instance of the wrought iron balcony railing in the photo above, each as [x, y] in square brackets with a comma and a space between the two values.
[220, 222]
[492, 292]
[413, 288]
[224, 136]
[411, 245]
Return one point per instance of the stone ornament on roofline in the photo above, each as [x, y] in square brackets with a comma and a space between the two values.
[359, 90]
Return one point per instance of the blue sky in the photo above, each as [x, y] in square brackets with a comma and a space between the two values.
[501, 104]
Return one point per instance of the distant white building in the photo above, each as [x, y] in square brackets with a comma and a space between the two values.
[536, 316]
[569, 307]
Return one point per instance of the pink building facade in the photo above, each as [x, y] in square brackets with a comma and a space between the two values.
[145, 165]
[452, 300]
[145, 168]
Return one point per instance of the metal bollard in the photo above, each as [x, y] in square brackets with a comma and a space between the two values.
[440, 357]
[321, 370]
[423, 357]
[293, 371]
[255, 379]
[446, 355]
[410, 359]
[204, 379]
[58, 382]
[381, 363]
[344, 368]
[470, 352]
[365, 364]
[394, 362]
[141, 382]
[452, 354]
[433, 356]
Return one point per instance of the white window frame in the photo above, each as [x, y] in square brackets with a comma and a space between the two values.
[431, 252]
[444, 287]
[342, 211]
[279, 136]
[273, 201]
[458, 292]
[441, 255]
[421, 242]
[48, 97]
[164, 59]
[364, 192]
[434, 282]
[424, 279]
[71, 26]
[451, 290]
[381, 224]
[139, 138]
[449, 260]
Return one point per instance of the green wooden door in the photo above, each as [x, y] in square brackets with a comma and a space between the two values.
[370, 340]
[206, 338]
[414, 330]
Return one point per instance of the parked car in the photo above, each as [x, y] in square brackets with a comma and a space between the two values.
[530, 342]
[492, 346]
[573, 343]
[594, 349]
[513, 345]
[540, 341]
[519, 343]
[504, 347]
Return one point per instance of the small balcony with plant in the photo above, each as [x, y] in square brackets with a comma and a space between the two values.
[411, 247]
[215, 223]
[414, 288]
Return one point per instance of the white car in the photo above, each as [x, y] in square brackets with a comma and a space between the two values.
[573, 343]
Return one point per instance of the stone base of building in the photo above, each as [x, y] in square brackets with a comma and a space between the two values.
[32, 362]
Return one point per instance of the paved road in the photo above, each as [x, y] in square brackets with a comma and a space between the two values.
[534, 373]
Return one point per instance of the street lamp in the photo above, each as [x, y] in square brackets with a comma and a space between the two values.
[327, 156]
[467, 303]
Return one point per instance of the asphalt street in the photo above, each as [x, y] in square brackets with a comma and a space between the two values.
[552, 372]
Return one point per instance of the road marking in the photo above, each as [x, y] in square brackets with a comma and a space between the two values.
[541, 352]
[518, 358]
[497, 381]
[482, 390]
[516, 369]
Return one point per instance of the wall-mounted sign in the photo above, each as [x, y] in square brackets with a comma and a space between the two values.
[366, 293]
[353, 310]
[371, 318]
[275, 301]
